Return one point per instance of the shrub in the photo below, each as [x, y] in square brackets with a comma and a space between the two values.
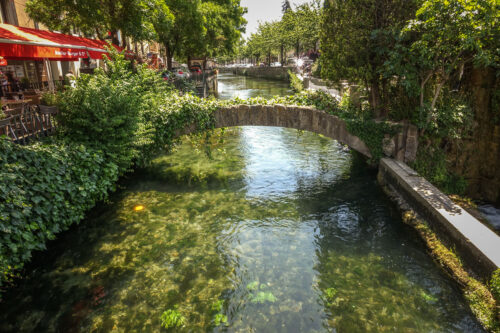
[45, 188]
[432, 165]
[102, 112]
[49, 98]
[295, 82]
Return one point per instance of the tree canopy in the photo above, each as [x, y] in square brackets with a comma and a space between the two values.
[356, 37]
[298, 29]
[184, 27]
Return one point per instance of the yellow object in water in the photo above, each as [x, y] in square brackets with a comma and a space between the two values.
[138, 208]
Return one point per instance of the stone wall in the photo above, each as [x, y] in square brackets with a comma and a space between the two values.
[272, 73]
[477, 245]
[477, 157]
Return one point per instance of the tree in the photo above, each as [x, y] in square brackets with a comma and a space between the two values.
[443, 38]
[203, 28]
[224, 25]
[286, 6]
[93, 17]
[356, 39]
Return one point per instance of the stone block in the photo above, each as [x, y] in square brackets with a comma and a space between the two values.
[389, 146]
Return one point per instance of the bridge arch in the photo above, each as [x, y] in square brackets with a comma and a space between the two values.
[300, 118]
[403, 146]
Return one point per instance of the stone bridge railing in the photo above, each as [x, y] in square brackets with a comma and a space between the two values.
[403, 146]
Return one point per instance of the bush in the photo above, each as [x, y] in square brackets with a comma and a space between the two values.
[295, 83]
[432, 165]
[45, 188]
[49, 99]
[102, 112]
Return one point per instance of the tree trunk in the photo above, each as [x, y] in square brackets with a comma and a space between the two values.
[282, 51]
[169, 57]
[114, 37]
[375, 100]
[297, 49]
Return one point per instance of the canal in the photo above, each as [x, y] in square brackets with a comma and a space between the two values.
[271, 230]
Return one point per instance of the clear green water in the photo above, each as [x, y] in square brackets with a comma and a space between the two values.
[286, 231]
[247, 87]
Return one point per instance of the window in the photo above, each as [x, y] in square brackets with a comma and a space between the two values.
[8, 12]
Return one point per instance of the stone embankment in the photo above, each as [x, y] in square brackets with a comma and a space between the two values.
[477, 245]
[272, 73]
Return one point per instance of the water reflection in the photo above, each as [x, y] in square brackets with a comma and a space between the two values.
[231, 86]
[492, 215]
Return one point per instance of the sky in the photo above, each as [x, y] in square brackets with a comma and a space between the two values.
[263, 11]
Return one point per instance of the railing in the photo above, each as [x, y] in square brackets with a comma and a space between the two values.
[17, 88]
[28, 122]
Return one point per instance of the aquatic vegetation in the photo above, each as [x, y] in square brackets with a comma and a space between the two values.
[220, 319]
[428, 298]
[495, 285]
[252, 286]
[481, 300]
[330, 295]
[262, 297]
[284, 232]
[219, 316]
[172, 318]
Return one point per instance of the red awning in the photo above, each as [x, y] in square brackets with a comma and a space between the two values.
[32, 44]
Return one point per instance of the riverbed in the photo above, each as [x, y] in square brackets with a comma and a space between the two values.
[270, 230]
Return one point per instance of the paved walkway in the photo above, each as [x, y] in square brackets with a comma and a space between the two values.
[314, 87]
[334, 92]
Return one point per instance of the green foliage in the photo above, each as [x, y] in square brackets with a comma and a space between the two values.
[295, 83]
[201, 28]
[356, 37]
[297, 29]
[431, 164]
[263, 297]
[49, 98]
[428, 297]
[218, 316]
[46, 188]
[94, 16]
[252, 286]
[220, 319]
[172, 318]
[452, 118]
[372, 133]
[329, 296]
[495, 285]
[103, 111]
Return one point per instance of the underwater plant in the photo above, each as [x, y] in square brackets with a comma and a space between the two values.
[262, 297]
[172, 318]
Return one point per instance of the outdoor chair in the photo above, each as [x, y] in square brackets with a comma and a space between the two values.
[47, 114]
[18, 129]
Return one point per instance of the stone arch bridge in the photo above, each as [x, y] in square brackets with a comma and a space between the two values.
[402, 146]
